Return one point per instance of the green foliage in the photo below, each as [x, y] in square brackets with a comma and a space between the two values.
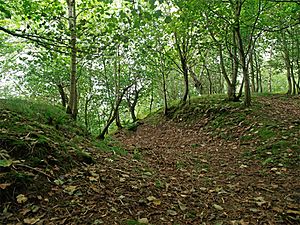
[137, 154]
[41, 111]
[109, 145]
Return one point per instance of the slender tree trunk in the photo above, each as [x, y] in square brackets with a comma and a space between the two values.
[86, 106]
[165, 93]
[182, 49]
[209, 81]
[287, 62]
[186, 83]
[72, 105]
[62, 94]
[118, 120]
[132, 105]
[151, 98]
[231, 86]
[241, 89]
[117, 86]
[270, 80]
[197, 82]
[257, 74]
[288, 72]
[235, 68]
[114, 114]
[242, 55]
[298, 70]
[253, 87]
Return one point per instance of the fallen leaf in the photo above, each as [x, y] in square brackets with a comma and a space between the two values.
[156, 202]
[25, 211]
[277, 209]
[70, 189]
[143, 221]
[218, 207]
[31, 220]
[4, 186]
[21, 198]
[242, 222]
[58, 182]
[93, 179]
[260, 201]
[98, 221]
[182, 206]
[243, 166]
[35, 208]
[95, 189]
[293, 212]
[254, 210]
[171, 212]
[151, 198]
[5, 163]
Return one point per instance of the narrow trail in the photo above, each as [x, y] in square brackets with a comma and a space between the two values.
[204, 172]
[172, 173]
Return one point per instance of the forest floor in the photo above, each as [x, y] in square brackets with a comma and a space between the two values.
[218, 165]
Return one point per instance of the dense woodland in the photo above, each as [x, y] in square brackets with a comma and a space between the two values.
[111, 62]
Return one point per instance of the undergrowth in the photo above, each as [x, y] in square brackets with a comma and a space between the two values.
[36, 139]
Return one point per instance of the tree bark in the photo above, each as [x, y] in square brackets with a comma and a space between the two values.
[62, 94]
[182, 49]
[101, 136]
[242, 54]
[253, 86]
[72, 105]
[132, 105]
[198, 84]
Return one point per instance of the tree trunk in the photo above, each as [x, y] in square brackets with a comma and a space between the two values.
[132, 105]
[72, 105]
[118, 120]
[101, 136]
[257, 74]
[165, 93]
[62, 94]
[253, 87]
[235, 69]
[182, 49]
[270, 80]
[151, 98]
[209, 81]
[288, 71]
[198, 84]
[86, 106]
[231, 84]
[242, 55]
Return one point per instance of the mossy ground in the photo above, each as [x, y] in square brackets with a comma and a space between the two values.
[38, 140]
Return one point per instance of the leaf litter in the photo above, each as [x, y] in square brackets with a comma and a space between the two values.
[186, 175]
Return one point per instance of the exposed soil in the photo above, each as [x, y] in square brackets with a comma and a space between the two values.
[174, 173]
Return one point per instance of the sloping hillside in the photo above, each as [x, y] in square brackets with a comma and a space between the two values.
[209, 162]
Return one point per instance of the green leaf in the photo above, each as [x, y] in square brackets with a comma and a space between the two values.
[5, 163]
[168, 19]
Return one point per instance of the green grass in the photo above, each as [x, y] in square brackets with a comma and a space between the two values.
[110, 145]
[40, 111]
[39, 136]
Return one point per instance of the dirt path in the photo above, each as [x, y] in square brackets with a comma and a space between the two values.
[212, 179]
[172, 174]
